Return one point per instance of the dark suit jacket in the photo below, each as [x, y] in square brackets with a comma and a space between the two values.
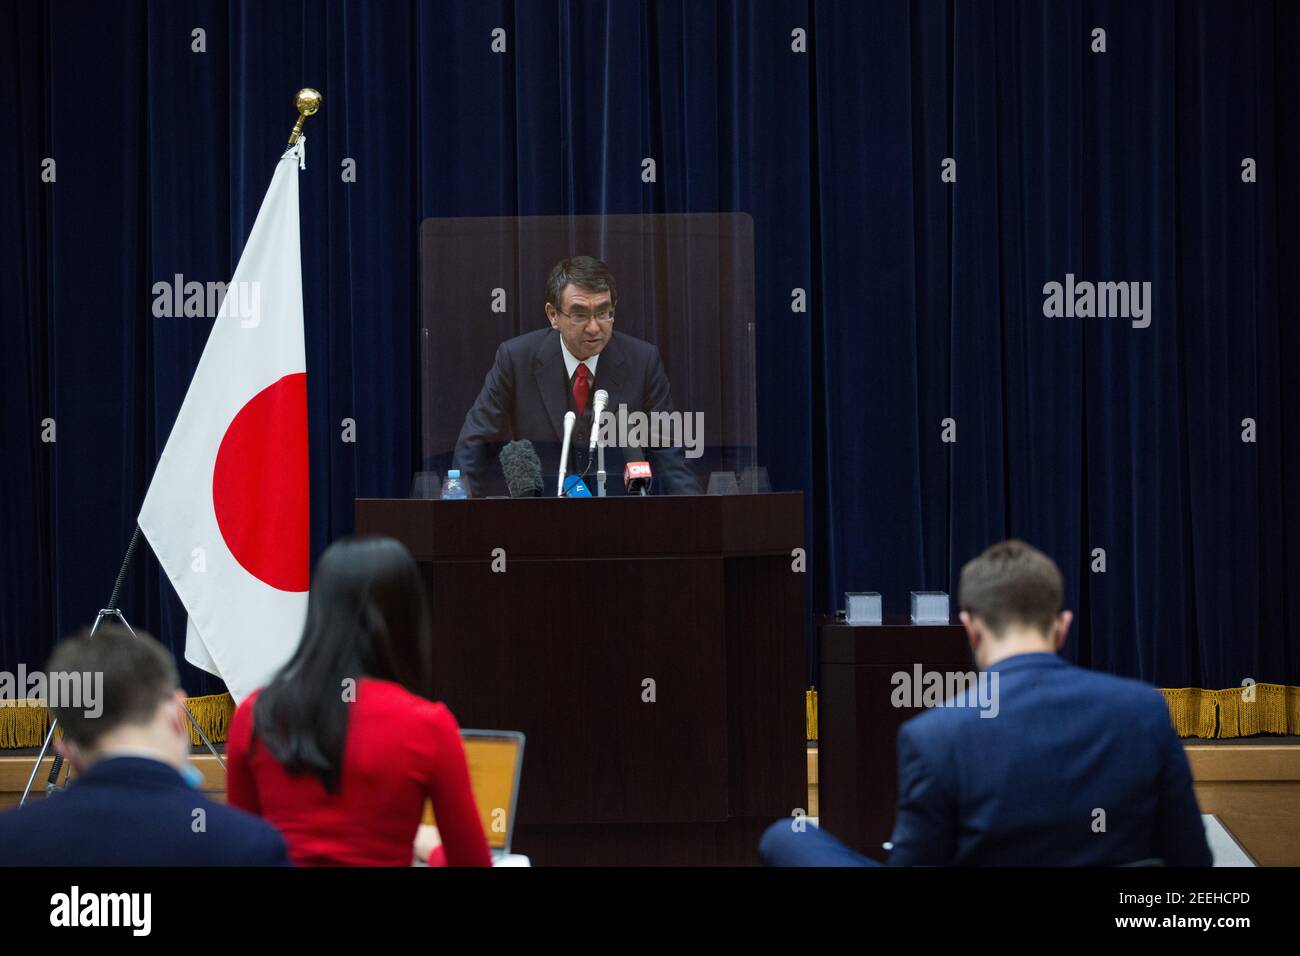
[1024, 788]
[133, 811]
[526, 394]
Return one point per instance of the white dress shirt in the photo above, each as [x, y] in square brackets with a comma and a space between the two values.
[571, 363]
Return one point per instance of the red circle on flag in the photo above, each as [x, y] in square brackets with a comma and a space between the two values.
[261, 487]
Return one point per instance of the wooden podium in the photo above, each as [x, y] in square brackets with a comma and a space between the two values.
[857, 723]
[652, 649]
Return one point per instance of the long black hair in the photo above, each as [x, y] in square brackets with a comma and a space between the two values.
[367, 616]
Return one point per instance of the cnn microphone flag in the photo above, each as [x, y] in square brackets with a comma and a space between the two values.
[228, 511]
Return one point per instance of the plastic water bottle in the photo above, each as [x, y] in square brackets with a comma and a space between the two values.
[453, 488]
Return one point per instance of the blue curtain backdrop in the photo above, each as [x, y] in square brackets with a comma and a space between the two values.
[925, 297]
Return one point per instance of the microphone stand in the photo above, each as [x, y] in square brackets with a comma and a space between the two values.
[600, 466]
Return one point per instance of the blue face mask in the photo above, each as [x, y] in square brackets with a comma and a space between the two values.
[192, 774]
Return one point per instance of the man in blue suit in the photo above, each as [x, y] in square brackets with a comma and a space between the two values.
[1062, 766]
[134, 800]
[539, 376]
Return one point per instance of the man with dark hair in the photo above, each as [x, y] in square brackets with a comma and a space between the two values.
[134, 799]
[1075, 768]
[539, 376]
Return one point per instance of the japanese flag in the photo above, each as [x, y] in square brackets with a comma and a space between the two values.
[227, 512]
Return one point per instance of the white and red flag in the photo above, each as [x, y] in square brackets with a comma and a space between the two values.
[228, 512]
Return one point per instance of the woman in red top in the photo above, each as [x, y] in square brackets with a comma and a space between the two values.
[343, 746]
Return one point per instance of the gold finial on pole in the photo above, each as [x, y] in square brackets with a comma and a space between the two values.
[308, 102]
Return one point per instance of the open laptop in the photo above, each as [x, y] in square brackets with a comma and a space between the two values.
[496, 760]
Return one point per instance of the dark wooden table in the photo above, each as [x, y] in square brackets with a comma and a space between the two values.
[857, 723]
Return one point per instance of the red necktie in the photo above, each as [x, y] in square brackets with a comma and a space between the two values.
[581, 387]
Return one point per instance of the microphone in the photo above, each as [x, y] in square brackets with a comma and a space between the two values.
[636, 477]
[575, 487]
[598, 409]
[569, 419]
[522, 469]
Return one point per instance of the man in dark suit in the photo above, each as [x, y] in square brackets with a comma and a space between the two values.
[539, 376]
[134, 800]
[1067, 767]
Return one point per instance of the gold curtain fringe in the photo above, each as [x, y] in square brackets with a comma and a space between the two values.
[24, 723]
[213, 714]
[1198, 713]
[1195, 713]
[1275, 709]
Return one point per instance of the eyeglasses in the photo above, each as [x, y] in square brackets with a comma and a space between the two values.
[582, 318]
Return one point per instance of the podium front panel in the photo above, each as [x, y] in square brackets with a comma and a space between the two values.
[651, 649]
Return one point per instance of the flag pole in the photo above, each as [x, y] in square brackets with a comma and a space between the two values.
[308, 102]
[114, 612]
